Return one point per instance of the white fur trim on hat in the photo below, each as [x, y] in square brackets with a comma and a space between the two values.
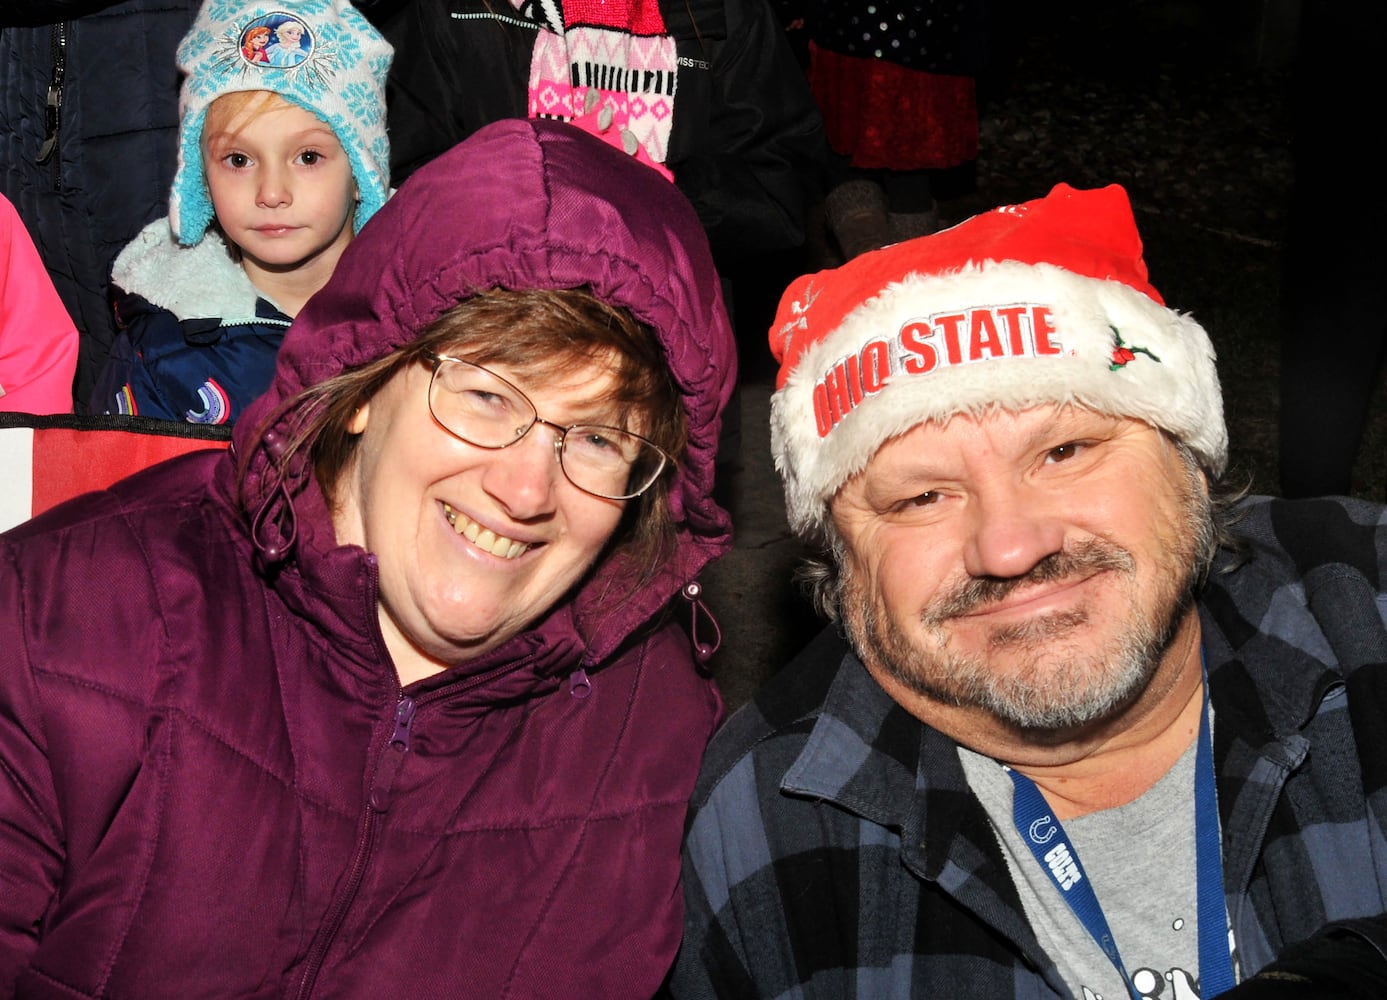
[330, 62]
[997, 334]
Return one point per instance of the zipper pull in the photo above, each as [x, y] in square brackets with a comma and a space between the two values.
[53, 103]
[52, 118]
[395, 752]
[579, 685]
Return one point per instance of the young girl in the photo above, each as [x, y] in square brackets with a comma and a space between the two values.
[278, 168]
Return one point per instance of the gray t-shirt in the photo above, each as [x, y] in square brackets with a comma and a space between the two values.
[1140, 860]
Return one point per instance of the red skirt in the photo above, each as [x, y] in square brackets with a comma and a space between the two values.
[886, 116]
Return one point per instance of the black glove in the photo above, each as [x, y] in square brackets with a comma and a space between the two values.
[1337, 965]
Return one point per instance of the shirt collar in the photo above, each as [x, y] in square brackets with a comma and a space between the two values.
[862, 752]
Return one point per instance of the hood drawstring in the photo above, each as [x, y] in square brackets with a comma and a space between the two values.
[274, 526]
[692, 593]
[580, 685]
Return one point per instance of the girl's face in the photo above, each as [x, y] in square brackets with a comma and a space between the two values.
[282, 187]
[290, 33]
[257, 41]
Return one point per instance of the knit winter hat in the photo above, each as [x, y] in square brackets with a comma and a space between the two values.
[319, 54]
[1045, 302]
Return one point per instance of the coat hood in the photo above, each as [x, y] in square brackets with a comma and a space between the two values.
[518, 205]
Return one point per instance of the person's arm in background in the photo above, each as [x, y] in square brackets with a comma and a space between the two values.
[38, 340]
[753, 176]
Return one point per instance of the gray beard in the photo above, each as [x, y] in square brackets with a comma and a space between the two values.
[1056, 684]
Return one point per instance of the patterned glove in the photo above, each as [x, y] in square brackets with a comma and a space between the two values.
[598, 118]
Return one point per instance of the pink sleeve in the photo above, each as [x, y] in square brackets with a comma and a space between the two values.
[38, 341]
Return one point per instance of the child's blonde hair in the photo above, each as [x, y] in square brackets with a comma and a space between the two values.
[232, 112]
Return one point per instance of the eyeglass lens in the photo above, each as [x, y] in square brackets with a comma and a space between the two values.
[484, 409]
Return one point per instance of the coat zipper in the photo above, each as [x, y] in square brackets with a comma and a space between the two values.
[395, 751]
[53, 105]
[378, 802]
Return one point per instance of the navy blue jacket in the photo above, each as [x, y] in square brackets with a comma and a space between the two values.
[197, 342]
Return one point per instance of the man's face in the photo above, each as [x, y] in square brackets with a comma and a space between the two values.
[1034, 565]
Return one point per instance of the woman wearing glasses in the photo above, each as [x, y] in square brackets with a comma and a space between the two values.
[398, 698]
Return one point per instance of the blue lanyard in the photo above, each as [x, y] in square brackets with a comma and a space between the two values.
[1059, 859]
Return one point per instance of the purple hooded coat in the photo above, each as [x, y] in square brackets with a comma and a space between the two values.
[211, 784]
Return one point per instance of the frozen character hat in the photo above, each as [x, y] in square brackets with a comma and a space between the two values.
[319, 54]
[1026, 305]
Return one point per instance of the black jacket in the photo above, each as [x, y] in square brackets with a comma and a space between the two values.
[746, 144]
[110, 132]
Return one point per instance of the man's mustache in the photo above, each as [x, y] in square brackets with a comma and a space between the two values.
[1083, 558]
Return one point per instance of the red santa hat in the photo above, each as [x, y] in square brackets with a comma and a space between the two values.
[1026, 305]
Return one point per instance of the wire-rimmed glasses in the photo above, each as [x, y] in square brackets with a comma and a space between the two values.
[480, 407]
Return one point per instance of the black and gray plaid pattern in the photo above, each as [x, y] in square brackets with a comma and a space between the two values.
[834, 848]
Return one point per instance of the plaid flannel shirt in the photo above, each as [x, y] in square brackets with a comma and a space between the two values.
[835, 849]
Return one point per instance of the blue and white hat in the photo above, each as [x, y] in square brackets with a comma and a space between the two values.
[322, 55]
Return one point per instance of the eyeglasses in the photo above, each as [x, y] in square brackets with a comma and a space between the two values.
[478, 406]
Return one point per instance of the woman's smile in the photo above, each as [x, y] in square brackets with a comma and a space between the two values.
[484, 538]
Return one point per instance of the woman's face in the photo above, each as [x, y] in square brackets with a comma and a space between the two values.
[472, 545]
